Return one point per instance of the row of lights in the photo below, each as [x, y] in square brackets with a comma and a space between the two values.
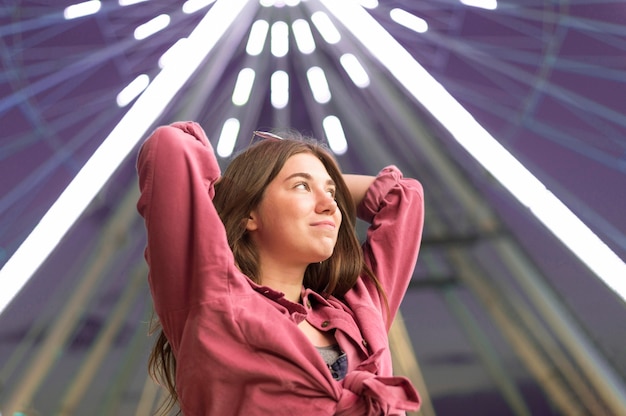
[279, 80]
[300, 27]
[279, 44]
[279, 35]
[90, 7]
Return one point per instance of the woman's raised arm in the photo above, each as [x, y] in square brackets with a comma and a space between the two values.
[358, 185]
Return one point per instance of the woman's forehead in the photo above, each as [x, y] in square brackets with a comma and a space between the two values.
[307, 164]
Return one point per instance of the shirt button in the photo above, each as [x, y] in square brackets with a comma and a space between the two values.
[325, 324]
[308, 304]
[364, 343]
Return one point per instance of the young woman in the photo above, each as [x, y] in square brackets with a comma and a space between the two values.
[268, 304]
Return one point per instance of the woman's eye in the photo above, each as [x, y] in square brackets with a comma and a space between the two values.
[302, 185]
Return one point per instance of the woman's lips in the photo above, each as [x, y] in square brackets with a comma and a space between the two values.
[324, 224]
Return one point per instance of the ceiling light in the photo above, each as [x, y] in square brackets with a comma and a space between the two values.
[132, 90]
[127, 3]
[228, 137]
[335, 135]
[192, 6]
[279, 89]
[256, 39]
[318, 84]
[273, 3]
[326, 28]
[408, 20]
[355, 70]
[113, 151]
[280, 39]
[477, 141]
[174, 53]
[243, 86]
[304, 37]
[151, 27]
[369, 4]
[81, 9]
[483, 4]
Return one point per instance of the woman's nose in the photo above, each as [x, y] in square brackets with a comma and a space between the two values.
[327, 203]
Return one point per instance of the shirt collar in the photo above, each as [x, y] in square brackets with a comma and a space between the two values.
[296, 311]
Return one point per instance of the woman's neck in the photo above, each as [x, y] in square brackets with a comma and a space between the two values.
[285, 280]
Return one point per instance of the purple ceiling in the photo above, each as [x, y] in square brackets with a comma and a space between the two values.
[546, 79]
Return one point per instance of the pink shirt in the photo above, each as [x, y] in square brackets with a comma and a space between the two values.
[237, 344]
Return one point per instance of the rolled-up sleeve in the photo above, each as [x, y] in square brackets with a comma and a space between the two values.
[185, 237]
[394, 207]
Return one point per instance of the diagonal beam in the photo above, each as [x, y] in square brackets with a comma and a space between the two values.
[117, 146]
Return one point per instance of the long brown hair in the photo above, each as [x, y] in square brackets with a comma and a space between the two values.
[237, 193]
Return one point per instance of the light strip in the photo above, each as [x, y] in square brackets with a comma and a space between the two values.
[152, 26]
[482, 4]
[408, 20]
[318, 84]
[280, 39]
[304, 37]
[171, 55]
[256, 39]
[279, 89]
[82, 9]
[132, 90]
[369, 4]
[243, 86]
[192, 6]
[326, 28]
[355, 70]
[335, 134]
[115, 148]
[127, 3]
[228, 137]
[559, 219]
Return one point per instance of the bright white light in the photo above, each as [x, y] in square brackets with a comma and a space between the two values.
[228, 137]
[326, 28]
[279, 89]
[280, 39]
[174, 53]
[483, 147]
[243, 86]
[369, 4]
[303, 35]
[272, 3]
[256, 40]
[483, 4]
[113, 151]
[130, 2]
[355, 70]
[408, 20]
[318, 84]
[152, 26]
[192, 6]
[280, 3]
[335, 135]
[81, 9]
[132, 90]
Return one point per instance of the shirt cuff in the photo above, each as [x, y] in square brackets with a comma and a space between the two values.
[386, 180]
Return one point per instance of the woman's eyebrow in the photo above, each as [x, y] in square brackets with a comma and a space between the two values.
[307, 176]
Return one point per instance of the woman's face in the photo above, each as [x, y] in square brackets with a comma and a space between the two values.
[297, 221]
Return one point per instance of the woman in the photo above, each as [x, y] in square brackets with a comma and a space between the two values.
[268, 305]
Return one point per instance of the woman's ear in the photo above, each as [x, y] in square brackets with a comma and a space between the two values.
[252, 222]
